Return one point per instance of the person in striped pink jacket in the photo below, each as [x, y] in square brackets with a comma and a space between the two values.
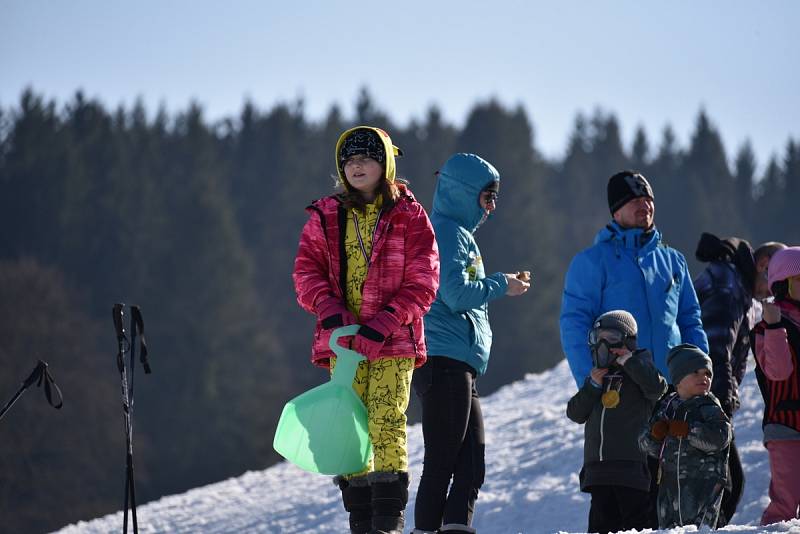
[368, 256]
[777, 348]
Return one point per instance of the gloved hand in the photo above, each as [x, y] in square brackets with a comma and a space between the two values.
[332, 313]
[678, 429]
[659, 430]
[372, 335]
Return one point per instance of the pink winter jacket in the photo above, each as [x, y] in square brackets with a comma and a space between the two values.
[772, 348]
[402, 278]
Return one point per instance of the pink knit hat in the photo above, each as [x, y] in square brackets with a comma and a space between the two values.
[783, 264]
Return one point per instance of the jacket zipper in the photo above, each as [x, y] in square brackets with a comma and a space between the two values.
[602, 427]
[678, 472]
[413, 340]
[602, 433]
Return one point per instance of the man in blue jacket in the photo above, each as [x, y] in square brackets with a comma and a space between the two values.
[459, 339]
[629, 268]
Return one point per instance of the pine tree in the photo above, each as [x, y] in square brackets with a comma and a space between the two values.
[708, 192]
[791, 180]
[640, 152]
[769, 203]
[744, 198]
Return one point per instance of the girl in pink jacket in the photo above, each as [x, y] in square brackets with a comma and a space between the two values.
[368, 256]
[777, 345]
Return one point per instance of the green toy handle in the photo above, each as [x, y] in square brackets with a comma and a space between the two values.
[346, 359]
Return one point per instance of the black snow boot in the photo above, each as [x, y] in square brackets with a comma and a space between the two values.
[389, 498]
[357, 499]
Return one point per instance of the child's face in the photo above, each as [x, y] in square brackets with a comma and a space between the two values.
[694, 384]
[363, 174]
[794, 287]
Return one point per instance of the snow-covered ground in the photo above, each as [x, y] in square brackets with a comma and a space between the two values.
[533, 455]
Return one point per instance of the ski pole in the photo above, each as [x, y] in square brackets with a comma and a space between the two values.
[123, 346]
[42, 374]
[118, 313]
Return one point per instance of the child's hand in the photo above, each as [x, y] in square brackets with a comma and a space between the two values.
[678, 429]
[368, 345]
[622, 353]
[373, 334]
[332, 313]
[659, 430]
[771, 312]
[597, 375]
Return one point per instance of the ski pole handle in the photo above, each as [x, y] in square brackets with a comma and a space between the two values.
[137, 325]
[116, 314]
[119, 327]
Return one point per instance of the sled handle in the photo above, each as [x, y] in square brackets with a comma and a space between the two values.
[346, 359]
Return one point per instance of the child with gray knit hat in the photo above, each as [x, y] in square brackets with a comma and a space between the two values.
[689, 433]
[613, 404]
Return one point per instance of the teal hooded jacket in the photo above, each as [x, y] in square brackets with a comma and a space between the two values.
[457, 325]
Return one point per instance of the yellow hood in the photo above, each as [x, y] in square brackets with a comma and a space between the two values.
[391, 152]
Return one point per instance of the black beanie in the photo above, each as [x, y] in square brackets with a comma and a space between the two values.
[365, 142]
[625, 186]
[685, 359]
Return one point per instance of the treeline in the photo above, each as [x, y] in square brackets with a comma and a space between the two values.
[198, 224]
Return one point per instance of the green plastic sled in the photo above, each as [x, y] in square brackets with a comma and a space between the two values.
[324, 430]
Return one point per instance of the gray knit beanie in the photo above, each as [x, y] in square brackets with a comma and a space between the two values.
[685, 359]
[618, 320]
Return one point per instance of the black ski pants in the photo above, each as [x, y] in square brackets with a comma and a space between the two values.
[617, 508]
[733, 493]
[452, 427]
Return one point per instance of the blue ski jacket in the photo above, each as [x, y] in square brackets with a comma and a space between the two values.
[629, 269]
[457, 325]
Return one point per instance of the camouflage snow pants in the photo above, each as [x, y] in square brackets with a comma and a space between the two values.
[690, 501]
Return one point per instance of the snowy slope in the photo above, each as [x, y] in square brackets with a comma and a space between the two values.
[533, 456]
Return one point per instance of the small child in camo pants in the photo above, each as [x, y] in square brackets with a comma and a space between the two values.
[689, 433]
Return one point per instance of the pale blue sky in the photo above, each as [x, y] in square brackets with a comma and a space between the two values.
[650, 63]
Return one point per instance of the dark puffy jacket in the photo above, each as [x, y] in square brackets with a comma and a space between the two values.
[693, 469]
[611, 454]
[726, 304]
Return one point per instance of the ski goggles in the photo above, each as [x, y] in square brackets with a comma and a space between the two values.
[610, 335]
[600, 341]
